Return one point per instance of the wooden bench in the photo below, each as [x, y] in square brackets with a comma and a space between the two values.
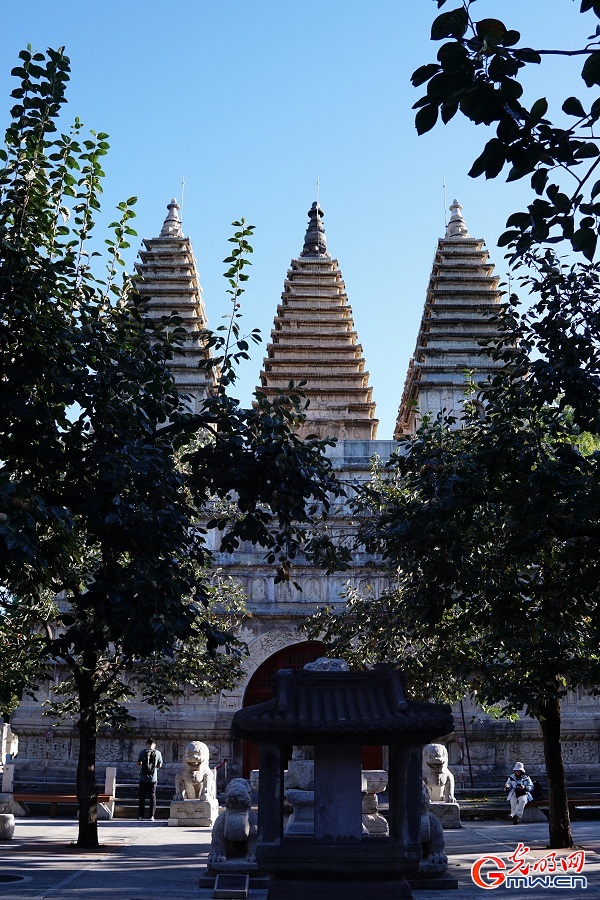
[54, 799]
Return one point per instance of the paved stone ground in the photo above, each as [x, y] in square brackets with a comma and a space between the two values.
[149, 861]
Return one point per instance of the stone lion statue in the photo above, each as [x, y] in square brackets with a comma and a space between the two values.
[434, 861]
[436, 774]
[233, 845]
[195, 780]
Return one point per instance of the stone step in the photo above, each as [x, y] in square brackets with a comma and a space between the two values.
[130, 810]
[126, 792]
[126, 789]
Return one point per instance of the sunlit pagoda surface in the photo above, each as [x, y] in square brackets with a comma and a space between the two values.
[314, 341]
[459, 319]
[170, 285]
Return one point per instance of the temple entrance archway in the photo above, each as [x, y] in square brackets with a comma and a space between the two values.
[260, 688]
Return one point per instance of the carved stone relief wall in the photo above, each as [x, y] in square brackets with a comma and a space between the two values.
[578, 752]
[52, 749]
[492, 760]
[532, 753]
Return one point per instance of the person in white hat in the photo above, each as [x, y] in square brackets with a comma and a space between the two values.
[519, 786]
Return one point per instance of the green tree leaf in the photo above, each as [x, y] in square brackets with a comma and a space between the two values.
[426, 118]
[450, 24]
[491, 30]
[591, 69]
[573, 107]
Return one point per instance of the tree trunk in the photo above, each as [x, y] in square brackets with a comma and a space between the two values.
[558, 817]
[87, 793]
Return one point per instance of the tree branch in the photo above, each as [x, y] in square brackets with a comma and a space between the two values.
[26, 609]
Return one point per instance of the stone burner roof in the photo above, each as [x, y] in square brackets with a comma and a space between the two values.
[368, 707]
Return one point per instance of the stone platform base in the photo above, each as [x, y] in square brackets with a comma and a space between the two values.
[231, 887]
[201, 813]
[447, 813]
[533, 814]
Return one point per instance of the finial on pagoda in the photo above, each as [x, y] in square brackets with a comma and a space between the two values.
[456, 226]
[172, 224]
[315, 243]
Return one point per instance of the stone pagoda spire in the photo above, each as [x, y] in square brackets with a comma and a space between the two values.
[314, 340]
[170, 284]
[462, 298]
[315, 242]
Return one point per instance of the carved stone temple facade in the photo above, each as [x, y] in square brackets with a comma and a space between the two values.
[314, 340]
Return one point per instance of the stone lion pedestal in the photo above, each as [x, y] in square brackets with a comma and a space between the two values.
[202, 813]
[447, 813]
[232, 856]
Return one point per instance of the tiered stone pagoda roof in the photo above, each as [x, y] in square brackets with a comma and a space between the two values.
[170, 285]
[462, 299]
[314, 340]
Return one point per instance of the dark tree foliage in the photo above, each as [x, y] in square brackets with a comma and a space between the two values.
[552, 142]
[24, 658]
[106, 480]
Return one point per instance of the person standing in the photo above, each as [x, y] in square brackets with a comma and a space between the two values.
[519, 786]
[150, 761]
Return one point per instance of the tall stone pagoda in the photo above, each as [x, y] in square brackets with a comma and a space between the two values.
[461, 301]
[313, 340]
[170, 285]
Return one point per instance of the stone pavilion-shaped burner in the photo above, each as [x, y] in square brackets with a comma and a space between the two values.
[337, 712]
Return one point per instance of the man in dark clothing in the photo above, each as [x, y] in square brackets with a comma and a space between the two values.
[150, 761]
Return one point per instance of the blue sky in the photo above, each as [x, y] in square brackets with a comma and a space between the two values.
[252, 102]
